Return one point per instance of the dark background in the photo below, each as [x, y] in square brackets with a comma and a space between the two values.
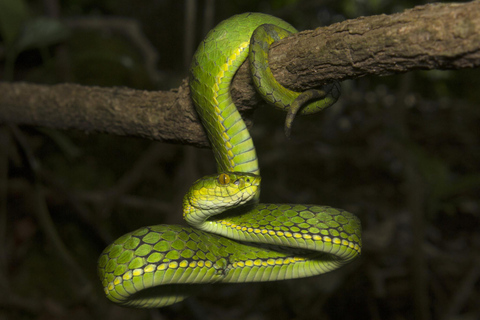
[401, 152]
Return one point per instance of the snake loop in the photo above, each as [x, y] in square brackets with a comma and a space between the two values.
[231, 237]
[274, 93]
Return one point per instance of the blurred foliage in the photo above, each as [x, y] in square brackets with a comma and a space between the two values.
[401, 152]
[12, 16]
[106, 60]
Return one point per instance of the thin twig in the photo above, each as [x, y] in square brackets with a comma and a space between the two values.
[4, 146]
[464, 290]
[45, 220]
[134, 176]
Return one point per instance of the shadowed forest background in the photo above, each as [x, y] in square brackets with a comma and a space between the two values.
[401, 152]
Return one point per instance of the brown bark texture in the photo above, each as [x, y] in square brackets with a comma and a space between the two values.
[434, 36]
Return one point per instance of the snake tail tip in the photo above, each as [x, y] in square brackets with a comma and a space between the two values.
[288, 132]
[289, 122]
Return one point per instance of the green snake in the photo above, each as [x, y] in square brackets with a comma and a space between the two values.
[231, 237]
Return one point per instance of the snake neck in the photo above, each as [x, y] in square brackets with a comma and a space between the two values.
[231, 142]
[214, 65]
[195, 216]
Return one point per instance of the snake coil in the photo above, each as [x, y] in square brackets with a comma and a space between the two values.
[232, 237]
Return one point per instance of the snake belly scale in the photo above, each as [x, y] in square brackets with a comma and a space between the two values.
[231, 237]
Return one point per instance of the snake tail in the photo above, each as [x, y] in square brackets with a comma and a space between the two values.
[273, 92]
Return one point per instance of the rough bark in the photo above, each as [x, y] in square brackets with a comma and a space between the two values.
[436, 36]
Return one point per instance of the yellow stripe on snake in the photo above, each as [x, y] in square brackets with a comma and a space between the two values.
[232, 237]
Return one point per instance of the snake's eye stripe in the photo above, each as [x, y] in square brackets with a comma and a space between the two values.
[224, 179]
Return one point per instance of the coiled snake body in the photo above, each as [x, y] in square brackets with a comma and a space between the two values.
[232, 237]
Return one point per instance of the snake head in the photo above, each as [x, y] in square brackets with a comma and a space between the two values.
[214, 194]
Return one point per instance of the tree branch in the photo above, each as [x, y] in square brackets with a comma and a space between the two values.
[436, 36]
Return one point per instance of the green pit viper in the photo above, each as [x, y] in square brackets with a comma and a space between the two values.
[232, 237]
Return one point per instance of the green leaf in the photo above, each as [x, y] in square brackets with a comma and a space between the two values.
[41, 32]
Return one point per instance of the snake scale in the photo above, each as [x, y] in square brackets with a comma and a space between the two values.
[232, 237]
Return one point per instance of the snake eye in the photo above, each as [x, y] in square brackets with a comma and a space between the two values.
[223, 179]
